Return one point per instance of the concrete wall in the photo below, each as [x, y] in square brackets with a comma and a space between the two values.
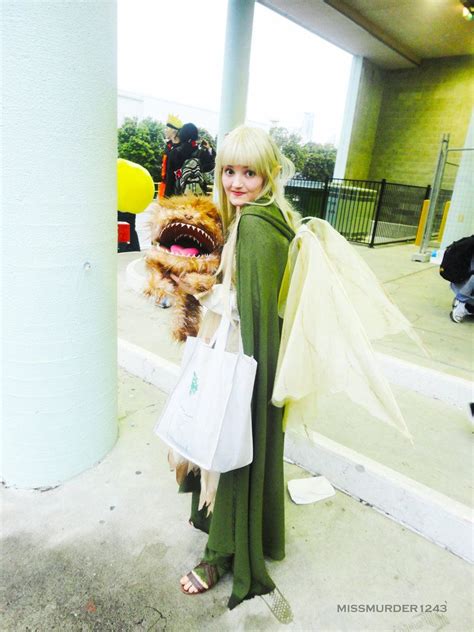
[401, 116]
[365, 123]
[350, 109]
[461, 213]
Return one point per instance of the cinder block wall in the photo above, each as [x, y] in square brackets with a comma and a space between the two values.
[364, 128]
[410, 110]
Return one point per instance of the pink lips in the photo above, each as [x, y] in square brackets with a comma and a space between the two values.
[238, 193]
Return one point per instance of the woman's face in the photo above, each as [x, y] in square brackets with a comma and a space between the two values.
[241, 184]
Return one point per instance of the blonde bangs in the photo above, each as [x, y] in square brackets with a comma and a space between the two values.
[243, 146]
[254, 148]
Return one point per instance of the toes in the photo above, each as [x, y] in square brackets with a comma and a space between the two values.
[189, 587]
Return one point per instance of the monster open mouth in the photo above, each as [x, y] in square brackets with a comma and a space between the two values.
[186, 240]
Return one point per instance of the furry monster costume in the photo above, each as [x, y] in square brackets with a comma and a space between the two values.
[187, 238]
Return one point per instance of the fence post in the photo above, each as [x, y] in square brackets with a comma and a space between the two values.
[377, 212]
[423, 215]
[423, 255]
[325, 198]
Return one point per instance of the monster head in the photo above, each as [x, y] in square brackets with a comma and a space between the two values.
[186, 232]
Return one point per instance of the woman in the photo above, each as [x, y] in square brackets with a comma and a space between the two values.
[247, 520]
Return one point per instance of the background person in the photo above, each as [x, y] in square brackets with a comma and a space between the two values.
[173, 125]
[457, 267]
[187, 136]
[463, 304]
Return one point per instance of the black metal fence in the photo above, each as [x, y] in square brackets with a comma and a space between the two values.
[369, 212]
[444, 196]
[399, 213]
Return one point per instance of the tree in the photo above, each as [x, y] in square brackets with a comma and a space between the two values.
[320, 161]
[205, 135]
[142, 142]
[312, 160]
[290, 145]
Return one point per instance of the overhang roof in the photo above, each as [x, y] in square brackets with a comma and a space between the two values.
[390, 33]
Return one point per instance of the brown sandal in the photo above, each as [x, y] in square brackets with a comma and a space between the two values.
[201, 585]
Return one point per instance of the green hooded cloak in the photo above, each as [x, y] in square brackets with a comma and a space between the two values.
[248, 518]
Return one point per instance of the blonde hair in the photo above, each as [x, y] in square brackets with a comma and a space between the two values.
[256, 149]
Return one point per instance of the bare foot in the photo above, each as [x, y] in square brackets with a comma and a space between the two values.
[197, 585]
[203, 577]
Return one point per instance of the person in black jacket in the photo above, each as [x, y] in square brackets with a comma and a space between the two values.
[173, 125]
[188, 136]
[458, 268]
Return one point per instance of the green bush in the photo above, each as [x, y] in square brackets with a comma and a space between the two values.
[313, 161]
[142, 142]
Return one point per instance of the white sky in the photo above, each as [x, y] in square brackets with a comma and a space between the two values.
[173, 49]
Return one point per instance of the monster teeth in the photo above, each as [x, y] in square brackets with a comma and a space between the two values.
[194, 232]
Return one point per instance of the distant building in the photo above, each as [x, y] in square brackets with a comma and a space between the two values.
[307, 127]
[140, 106]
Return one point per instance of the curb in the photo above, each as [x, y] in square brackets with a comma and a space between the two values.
[440, 519]
[147, 366]
[452, 390]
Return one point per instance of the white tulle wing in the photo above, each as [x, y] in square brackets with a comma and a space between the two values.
[379, 315]
[325, 347]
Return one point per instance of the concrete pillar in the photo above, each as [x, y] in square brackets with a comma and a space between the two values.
[235, 77]
[348, 118]
[460, 222]
[59, 238]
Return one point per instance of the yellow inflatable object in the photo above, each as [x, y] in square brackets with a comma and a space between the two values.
[135, 187]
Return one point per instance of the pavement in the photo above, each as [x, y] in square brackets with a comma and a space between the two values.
[425, 298]
[105, 550]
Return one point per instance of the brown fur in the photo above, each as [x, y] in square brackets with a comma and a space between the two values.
[199, 272]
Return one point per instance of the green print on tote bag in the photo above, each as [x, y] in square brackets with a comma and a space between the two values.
[207, 418]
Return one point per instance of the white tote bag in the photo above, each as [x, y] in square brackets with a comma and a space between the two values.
[207, 418]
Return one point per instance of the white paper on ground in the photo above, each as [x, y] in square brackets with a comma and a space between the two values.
[310, 490]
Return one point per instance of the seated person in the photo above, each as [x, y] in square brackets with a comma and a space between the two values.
[458, 268]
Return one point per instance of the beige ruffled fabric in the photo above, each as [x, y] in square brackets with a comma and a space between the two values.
[332, 306]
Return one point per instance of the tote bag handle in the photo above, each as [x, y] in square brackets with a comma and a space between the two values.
[219, 339]
[228, 258]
